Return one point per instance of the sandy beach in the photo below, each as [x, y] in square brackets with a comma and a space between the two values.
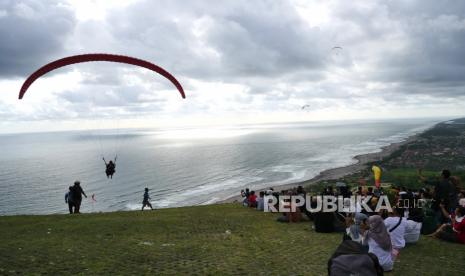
[336, 173]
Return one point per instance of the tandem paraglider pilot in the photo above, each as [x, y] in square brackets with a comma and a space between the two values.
[110, 167]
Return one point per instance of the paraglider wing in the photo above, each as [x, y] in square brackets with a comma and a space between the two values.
[336, 50]
[97, 57]
[377, 171]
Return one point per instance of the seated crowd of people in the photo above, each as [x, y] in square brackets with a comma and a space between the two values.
[438, 213]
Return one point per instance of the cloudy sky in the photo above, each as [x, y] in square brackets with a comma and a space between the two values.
[239, 61]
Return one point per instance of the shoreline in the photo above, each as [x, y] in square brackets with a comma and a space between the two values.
[338, 172]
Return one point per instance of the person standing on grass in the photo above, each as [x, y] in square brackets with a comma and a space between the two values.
[70, 199]
[443, 193]
[145, 201]
[77, 193]
[245, 197]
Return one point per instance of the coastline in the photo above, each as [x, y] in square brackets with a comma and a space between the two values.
[338, 172]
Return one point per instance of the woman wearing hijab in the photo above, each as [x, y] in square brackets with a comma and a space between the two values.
[378, 241]
[413, 226]
[354, 226]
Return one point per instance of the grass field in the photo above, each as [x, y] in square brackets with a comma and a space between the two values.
[202, 240]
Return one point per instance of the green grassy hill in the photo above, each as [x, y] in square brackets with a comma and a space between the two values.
[211, 240]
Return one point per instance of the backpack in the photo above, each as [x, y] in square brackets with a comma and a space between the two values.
[323, 222]
[350, 259]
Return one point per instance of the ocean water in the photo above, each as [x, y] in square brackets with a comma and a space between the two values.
[180, 166]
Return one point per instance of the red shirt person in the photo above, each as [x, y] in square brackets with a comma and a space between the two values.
[454, 232]
[458, 224]
[252, 199]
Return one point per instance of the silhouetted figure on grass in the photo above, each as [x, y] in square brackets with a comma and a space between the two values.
[145, 201]
[69, 198]
[77, 193]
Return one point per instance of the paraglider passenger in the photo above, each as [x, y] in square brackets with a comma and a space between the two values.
[110, 167]
[77, 192]
[145, 201]
[69, 199]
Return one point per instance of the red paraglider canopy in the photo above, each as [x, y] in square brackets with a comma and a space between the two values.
[97, 57]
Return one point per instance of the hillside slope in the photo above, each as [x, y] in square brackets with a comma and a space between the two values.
[215, 239]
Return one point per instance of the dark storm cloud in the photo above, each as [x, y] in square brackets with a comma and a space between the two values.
[392, 50]
[32, 33]
[263, 43]
[239, 39]
[275, 44]
[415, 43]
